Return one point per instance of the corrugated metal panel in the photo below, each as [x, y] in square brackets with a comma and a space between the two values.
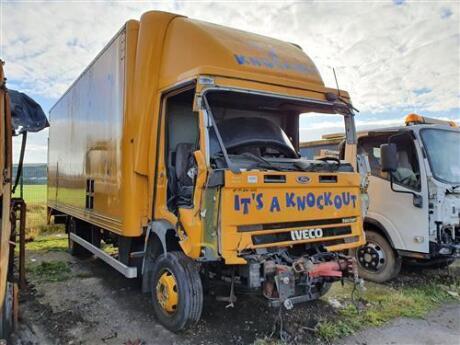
[85, 137]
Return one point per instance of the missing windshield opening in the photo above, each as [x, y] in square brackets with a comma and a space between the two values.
[251, 131]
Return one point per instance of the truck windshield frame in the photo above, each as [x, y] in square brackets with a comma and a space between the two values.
[442, 164]
[312, 105]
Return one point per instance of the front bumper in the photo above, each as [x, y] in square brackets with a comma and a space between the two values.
[451, 250]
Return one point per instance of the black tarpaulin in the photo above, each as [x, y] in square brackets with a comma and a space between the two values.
[27, 115]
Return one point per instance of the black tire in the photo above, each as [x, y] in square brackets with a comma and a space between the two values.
[7, 313]
[74, 226]
[189, 291]
[377, 261]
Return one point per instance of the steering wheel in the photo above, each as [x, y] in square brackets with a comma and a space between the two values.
[330, 158]
[278, 150]
[406, 180]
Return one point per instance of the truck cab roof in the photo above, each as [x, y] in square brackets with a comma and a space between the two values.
[195, 47]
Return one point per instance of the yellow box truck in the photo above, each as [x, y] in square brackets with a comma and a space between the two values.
[179, 145]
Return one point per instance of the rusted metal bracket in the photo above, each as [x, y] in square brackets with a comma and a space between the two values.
[18, 213]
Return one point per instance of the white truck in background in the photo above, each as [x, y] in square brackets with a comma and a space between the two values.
[414, 193]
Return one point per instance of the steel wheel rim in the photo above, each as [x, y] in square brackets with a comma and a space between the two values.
[167, 292]
[371, 257]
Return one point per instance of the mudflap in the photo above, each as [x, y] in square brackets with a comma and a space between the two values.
[306, 278]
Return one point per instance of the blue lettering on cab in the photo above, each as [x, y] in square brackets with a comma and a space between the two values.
[300, 202]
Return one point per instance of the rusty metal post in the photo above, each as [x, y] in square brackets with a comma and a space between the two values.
[19, 205]
[22, 246]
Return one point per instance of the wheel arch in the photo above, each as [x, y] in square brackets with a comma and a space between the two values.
[160, 238]
[373, 224]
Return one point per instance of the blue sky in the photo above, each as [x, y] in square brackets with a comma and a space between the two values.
[394, 57]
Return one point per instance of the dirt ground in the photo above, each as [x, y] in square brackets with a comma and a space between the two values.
[97, 305]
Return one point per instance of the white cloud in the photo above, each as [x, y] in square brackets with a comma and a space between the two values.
[382, 52]
[36, 148]
[388, 57]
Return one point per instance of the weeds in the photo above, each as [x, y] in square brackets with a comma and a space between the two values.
[36, 222]
[383, 303]
[48, 244]
[52, 271]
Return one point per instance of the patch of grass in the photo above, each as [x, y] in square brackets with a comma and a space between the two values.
[109, 248]
[36, 222]
[48, 243]
[384, 303]
[33, 194]
[52, 271]
[35, 197]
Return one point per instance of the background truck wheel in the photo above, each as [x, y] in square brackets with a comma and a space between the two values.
[74, 227]
[177, 292]
[377, 261]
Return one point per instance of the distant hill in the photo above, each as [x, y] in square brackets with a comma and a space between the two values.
[33, 173]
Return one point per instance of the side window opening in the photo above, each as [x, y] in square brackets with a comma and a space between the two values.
[408, 172]
[370, 146]
[182, 139]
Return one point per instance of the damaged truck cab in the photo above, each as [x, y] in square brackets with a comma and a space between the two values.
[179, 145]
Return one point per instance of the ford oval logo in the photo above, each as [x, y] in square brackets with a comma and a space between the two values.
[303, 179]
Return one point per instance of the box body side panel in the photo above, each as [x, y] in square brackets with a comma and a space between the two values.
[85, 141]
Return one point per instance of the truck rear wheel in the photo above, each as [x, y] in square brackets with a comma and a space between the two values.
[377, 261]
[177, 291]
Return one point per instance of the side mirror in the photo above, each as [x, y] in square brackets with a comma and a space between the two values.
[388, 157]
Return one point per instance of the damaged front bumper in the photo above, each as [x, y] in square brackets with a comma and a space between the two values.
[306, 279]
[447, 243]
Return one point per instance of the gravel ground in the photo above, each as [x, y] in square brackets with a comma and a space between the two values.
[99, 306]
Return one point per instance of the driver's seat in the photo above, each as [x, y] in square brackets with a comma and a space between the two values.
[184, 182]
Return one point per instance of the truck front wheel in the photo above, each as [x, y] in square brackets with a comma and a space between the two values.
[377, 261]
[177, 292]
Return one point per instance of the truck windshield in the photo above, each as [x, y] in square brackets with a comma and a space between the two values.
[443, 149]
[260, 131]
